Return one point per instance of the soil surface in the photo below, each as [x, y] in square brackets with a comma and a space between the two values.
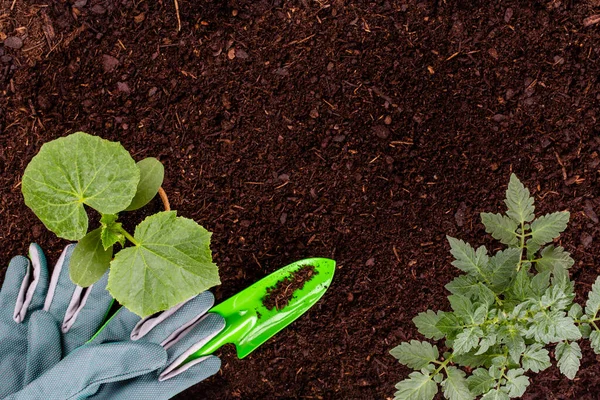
[363, 131]
[279, 296]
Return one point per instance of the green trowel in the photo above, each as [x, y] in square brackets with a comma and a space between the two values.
[249, 323]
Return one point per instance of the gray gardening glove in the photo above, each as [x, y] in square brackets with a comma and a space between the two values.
[133, 358]
[42, 322]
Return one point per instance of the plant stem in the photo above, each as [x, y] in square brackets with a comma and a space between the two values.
[443, 365]
[522, 245]
[128, 236]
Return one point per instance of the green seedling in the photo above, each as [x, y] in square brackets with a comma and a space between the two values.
[169, 259]
[508, 310]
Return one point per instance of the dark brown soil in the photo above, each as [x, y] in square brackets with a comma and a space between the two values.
[363, 131]
[279, 296]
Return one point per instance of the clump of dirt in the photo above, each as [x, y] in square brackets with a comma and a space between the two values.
[279, 296]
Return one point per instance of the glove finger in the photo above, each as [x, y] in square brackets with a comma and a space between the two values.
[147, 387]
[158, 328]
[91, 366]
[189, 341]
[25, 284]
[85, 315]
[118, 327]
[43, 345]
[15, 275]
[37, 291]
[61, 289]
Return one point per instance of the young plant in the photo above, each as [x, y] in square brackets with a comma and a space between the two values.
[507, 311]
[170, 258]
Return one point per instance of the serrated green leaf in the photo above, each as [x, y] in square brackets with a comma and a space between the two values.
[484, 294]
[152, 174]
[472, 360]
[111, 231]
[89, 260]
[516, 382]
[495, 394]
[548, 227]
[519, 202]
[503, 268]
[540, 282]
[426, 324]
[480, 314]
[415, 355]
[464, 285]
[480, 382]
[552, 326]
[532, 248]
[560, 278]
[595, 341]
[417, 387]
[536, 358]
[462, 307]
[468, 259]
[568, 356]
[449, 324]
[575, 311]
[428, 369]
[75, 170]
[455, 386]
[467, 340]
[585, 329]
[592, 305]
[554, 257]
[501, 228]
[521, 286]
[556, 298]
[170, 263]
[487, 341]
[512, 337]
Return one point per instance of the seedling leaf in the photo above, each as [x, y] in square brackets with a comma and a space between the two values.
[467, 259]
[415, 355]
[516, 382]
[496, 394]
[553, 258]
[568, 356]
[426, 324]
[536, 358]
[501, 228]
[75, 170]
[548, 227]
[455, 386]
[519, 202]
[89, 260]
[170, 263]
[595, 341]
[480, 382]
[152, 173]
[592, 306]
[111, 231]
[417, 387]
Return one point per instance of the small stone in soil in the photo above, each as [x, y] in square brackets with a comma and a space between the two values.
[109, 63]
[123, 87]
[13, 42]
[279, 296]
[381, 131]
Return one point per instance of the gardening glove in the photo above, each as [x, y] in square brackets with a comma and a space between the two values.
[133, 358]
[42, 322]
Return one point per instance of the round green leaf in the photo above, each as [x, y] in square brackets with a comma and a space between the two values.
[75, 170]
[89, 260]
[170, 262]
[152, 174]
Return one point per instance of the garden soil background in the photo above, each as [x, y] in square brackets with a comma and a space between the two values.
[364, 131]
